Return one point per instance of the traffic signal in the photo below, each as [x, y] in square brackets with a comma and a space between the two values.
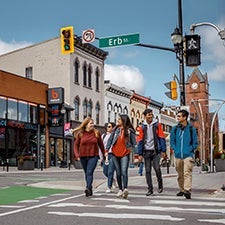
[192, 50]
[67, 40]
[172, 85]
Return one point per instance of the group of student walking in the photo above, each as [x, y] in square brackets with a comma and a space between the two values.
[115, 146]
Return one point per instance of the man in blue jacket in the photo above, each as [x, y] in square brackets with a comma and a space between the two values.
[184, 141]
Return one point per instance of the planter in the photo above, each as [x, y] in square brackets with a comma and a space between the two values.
[220, 165]
[26, 165]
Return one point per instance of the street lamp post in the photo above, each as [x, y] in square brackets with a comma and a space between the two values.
[177, 39]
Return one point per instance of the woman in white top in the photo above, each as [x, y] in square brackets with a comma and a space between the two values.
[108, 166]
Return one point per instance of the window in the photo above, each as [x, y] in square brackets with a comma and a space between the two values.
[85, 74]
[125, 110]
[22, 111]
[89, 75]
[76, 71]
[29, 72]
[12, 109]
[97, 79]
[109, 109]
[2, 107]
[33, 112]
[85, 108]
[89, 108]
[76, 107]
[97, 108]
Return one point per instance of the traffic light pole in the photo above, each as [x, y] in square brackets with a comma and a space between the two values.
[181, 57]
[179, 50]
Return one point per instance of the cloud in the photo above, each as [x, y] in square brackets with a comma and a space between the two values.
[213, 49]
[12, 46]
[125, 76]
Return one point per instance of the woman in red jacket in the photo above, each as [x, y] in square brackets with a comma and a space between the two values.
[87, 143]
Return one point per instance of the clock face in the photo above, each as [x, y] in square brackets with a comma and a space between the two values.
[194, 86]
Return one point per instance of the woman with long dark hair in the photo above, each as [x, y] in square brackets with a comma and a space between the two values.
[88, 141]
[122, 141]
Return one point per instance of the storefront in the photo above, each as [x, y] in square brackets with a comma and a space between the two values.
[23, 125]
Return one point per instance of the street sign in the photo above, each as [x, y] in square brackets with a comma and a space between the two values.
[128, 39]
[88, 36]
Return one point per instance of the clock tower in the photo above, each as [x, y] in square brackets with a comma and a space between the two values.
[197, 97]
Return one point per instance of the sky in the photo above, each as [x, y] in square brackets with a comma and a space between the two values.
[144, 70]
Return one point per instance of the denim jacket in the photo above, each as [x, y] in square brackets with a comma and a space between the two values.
[130, 144]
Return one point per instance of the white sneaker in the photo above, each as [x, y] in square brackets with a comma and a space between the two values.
[119, 194]
[125, 193]
[108, 190]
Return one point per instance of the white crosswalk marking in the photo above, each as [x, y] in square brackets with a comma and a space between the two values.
[203, 209]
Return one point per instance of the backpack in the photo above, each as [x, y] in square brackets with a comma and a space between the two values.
[191, 132]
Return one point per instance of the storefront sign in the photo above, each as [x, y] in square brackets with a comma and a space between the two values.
[55, 95]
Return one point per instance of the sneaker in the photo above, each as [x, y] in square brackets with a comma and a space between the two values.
[150, 192]
[160, 190]
[187, 194]
[181, 193]
[108, 190]
[119, 194]
[125, 193]
[88, 192]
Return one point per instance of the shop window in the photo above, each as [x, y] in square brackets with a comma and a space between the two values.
[23, 111]
[33, 112]
[2, 107]
[12, 109]
[42, 115]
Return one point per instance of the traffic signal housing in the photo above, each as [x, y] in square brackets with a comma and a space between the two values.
[192, 50]
[67, 40]
[172, 85]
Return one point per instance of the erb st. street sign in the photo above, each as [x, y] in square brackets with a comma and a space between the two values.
[127, 39]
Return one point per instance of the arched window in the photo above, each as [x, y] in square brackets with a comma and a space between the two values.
[89, 75]
[97, 109]
[89, 108]
[76, 71]
[109, 110]
[76, 107]
[97, 76]
[85, 74]
[125, 110]
[85, 108]
[116, 112]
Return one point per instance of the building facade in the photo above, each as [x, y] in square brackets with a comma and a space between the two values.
[23, 127]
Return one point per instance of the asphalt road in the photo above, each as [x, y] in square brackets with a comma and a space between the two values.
[74, 208]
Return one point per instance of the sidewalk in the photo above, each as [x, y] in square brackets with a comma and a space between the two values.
[203, 183]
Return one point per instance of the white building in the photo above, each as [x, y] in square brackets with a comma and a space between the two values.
[117, 101]
[81, 73]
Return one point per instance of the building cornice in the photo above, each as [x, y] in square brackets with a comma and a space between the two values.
[91, 49]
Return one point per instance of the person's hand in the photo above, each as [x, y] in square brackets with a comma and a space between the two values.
[164, 155]
[140, 158]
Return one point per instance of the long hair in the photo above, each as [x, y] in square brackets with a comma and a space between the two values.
[80, 129]
[126, 124]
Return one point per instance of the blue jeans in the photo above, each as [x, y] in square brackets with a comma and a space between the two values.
[108, 170]
[121, 166]
[89, 164]
[141, 167]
